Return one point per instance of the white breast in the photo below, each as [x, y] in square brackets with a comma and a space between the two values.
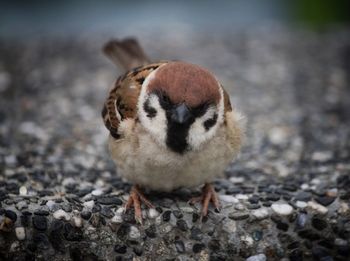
[142, 161]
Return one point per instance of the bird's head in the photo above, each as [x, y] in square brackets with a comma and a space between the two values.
[181, 105]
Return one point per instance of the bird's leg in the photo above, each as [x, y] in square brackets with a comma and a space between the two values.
[135, 199]
[208, 194]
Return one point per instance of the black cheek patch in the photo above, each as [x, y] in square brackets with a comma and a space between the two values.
[151, 112]
[211, 122]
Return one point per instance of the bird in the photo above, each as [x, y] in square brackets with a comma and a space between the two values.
[171, 125]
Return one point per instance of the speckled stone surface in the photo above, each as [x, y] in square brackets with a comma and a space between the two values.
[286, 197]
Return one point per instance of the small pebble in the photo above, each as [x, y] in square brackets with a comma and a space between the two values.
[242, 197]
[40, 222]
[257, 235]
[117, 218]
[166, 216]
[11, 215]
[20, 233]
[261, 213]
[23, 191]
[85, 214]
[77, 221]
[182, 225]
[180, 246]
[325, 200]
[301, 204]
[50, 204]
[152, 213]
[134, 233]
[198, 247]
[97, 192]
[317, 207]
[121, 249]
[239, 206]
[61, 214]
[151, 232]
[282, 209]
[228, 199]
[89, 204]
[21, 205]
[260, 257]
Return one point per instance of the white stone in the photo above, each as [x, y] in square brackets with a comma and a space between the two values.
[239, 206]
[152, 213]
[260, 257]
[228, 199]
[68, 181]
[248, 240]
[301, 204]
[20, 233]
[61, 214]
[241, 197]
[317, 207]
[50, 204]
[187, 209]
[89, 204]
[278, 135]
[343, 208]
[134, 232]
[21, 205]
[282, 209]
[77, 221]
[315, 181]
[23, 191]
[117, 219]
[261, 213]
[237, 180]
[97, 192]
[322, 156]
[304, 186]
[10, 160]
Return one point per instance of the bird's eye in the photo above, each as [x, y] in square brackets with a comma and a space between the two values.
[164, 100]
[200, 110]
[210, 122]
[151, 111]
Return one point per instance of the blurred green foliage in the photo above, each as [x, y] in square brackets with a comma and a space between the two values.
[319, 14]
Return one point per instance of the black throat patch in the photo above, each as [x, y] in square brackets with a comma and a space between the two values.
[177, 137]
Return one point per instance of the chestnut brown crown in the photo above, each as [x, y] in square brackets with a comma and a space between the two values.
[186, 83]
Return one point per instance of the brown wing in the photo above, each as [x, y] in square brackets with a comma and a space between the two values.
[227, 102]
[122, 98]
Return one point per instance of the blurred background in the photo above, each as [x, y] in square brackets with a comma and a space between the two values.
[32, 18]
[285, 64]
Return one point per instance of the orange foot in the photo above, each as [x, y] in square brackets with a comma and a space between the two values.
[208, 194]
[135, 199]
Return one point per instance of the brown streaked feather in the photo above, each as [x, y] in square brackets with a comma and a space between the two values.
[123, 97]
[126, 53]
[227, 102]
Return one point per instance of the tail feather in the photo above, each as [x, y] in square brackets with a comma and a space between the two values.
[126, 53]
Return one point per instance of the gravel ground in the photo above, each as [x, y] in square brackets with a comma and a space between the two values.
[286, 198]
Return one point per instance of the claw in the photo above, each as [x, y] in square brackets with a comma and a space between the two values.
[208, 195]
[135, 199]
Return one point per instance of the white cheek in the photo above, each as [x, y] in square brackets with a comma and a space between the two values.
[198, 135]
[156, 125]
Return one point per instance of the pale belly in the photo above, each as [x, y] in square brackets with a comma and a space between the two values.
[140, 160]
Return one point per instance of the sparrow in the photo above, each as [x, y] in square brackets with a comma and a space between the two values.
[171, 125]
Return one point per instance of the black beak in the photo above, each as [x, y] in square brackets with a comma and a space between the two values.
[181, 114]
